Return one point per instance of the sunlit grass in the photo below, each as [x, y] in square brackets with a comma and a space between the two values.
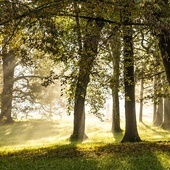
[38, 133]
[45, 145]
[35, 133]
[129, 156]
[148, 132]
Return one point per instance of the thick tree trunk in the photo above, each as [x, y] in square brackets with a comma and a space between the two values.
[88, 55]
[8, 59]
[131, 133]
[79, 112]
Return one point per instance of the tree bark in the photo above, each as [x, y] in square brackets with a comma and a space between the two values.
[116, 114]
[164, 45]
[154, 102]
[141, 100]
[115, 52]
[8, 59]
[88, 55]
[159, 113]
[131, 132]
[166, 122]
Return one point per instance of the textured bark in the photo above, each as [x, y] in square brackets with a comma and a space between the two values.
[166, 122]
[131, 133]
[154, 103]
[164, 45]
[116, 114]
[8, 59]
[159, 113]
[115, 53]
[141, 101]
[88, 55]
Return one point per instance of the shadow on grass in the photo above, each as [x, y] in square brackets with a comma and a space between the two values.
[64, 157]
[136, 156]
[129, 156]
[157, 132]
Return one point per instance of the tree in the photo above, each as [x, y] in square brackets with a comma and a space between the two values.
[8, 58]
[28, 53]
[159, 113]
[164, 36]
[8, 64]
[146, 66]
[159, 23]
[48, 35]
[115, 52]
[131, 133]
[87, 57]
[166, 122]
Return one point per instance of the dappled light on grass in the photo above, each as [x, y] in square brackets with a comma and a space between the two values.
[130, 156]
[148, 132]
[99, 132]
[34, 133]
[41, 133]
[48, 143]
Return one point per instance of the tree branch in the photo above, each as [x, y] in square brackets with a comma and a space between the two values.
[28, 76]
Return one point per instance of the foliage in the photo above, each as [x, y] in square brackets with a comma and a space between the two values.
[148, 64]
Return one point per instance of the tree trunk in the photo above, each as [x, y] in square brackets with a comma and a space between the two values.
[154, 102]
[163, 35]
[166, 122]
[79, 112]
[164, 45]
[141, 100]
[115, 52]
[159, 113]
[88, 55]
[8, 59]
[116, 114]
[131, 133]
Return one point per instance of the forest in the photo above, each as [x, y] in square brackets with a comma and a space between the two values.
[87, 82]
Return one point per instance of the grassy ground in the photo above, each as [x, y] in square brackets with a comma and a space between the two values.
[44, 145]
[143, 156]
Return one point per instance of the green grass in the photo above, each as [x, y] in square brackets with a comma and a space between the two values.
[44, 145]
[131, 156]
